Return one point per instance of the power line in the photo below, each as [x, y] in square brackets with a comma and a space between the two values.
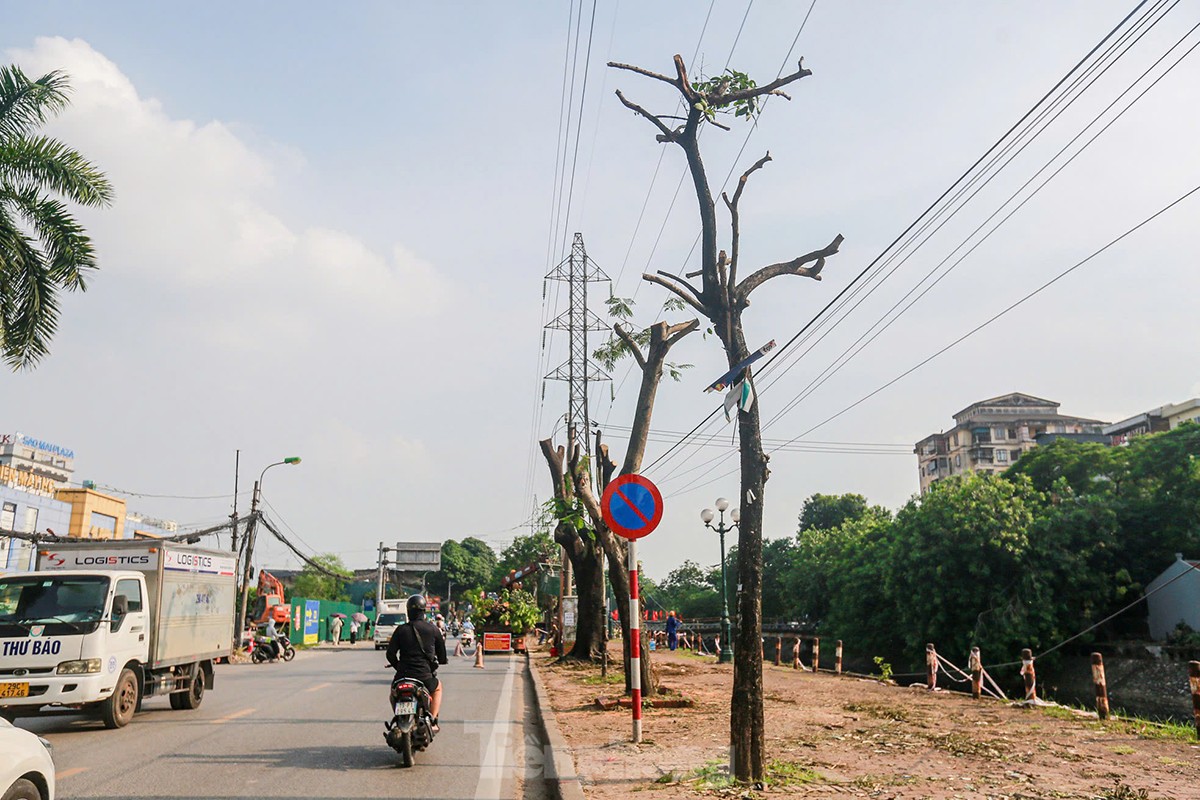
[872, 264]
[833, 368]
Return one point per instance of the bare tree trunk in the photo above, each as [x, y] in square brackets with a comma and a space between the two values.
[721, 297]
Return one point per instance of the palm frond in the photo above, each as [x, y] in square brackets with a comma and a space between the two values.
[53, 165]
[26, 104]
[65, 244]
[30, 303]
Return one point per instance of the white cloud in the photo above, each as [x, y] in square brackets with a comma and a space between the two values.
[200, 208]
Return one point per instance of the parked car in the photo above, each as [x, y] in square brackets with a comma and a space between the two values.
[26, 769]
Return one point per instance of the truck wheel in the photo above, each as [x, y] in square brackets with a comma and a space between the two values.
[194, 695]
[118, 710]
[22, 790]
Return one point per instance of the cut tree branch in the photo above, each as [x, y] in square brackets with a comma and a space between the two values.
[794, 267]
[684, 292]
[734, 223]
[684, 85]
[631, 344]
[667, 134]
[642, 71]
[680, 330]
[759, 91]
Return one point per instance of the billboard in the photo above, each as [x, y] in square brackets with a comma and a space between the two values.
[418, 557]
[312, 621]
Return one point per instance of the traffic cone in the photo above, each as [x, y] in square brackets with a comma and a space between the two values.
[479, 655]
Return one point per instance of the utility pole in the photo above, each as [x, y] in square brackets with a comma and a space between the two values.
[237, 458]
[251, 530]
[381, 584]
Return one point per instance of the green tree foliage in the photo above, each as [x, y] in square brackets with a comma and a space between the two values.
[469, 564]
[526, 549]
[1067, 536]
[43, 248]
[316, 585]
[829, 511]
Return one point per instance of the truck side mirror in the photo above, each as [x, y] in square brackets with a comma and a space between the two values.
[120, 608]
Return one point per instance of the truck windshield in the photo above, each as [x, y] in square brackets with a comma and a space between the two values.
[390, 619]
[63, 605]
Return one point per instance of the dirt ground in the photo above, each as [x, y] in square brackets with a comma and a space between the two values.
[839, 736]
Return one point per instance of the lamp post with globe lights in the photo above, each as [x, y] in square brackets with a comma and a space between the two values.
[726, 655]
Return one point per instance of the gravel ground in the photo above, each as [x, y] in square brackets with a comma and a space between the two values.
[850, 737]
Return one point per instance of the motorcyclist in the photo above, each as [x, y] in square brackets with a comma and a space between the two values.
[415, 651]
[271, 633]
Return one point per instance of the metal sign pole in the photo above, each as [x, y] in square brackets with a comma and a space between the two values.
[635, 643]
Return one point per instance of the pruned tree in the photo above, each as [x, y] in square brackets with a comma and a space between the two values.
[579, 494]
[581, 545]
[722, 298]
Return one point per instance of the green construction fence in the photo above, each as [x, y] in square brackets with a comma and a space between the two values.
[313, 617]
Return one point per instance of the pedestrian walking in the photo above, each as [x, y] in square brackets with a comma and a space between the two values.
[353, 631]
[672, 630]
[335, 630]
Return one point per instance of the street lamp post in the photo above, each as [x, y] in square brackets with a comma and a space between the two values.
[726, 655]
[252, 529]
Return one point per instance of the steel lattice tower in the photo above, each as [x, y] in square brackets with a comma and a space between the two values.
[578, 271]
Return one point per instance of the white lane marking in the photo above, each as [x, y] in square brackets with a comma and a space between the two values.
[318, 686]
[496, 757]
[66, 773]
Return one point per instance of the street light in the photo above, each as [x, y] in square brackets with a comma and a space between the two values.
[706, 516]
[250, 536]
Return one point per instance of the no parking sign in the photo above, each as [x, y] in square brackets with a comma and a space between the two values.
[632, 507]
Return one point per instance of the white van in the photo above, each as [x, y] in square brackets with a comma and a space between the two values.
[389, 614]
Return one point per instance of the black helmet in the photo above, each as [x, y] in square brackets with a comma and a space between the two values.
[416, 607]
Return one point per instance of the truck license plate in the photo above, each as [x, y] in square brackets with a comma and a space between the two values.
[14, 690]
[409, 707]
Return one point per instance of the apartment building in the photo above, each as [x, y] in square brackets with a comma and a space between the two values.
[988, 436]
[1156, 420]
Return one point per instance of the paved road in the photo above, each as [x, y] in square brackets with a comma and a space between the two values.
[309, 729]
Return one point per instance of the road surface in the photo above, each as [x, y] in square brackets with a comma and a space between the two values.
[309, 729]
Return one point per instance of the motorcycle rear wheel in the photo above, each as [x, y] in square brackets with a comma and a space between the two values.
[406, 750]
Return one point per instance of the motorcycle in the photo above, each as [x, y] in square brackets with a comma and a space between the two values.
[411, 726]
[264, 650]
[467, 638]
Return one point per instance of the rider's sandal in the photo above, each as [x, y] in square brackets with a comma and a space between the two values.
[436, 728]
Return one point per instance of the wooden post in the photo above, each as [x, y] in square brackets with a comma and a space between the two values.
[931, 667]
[837, 658]
[796, 654]
[975, 665]
[778, 650]
[1030, 676]
[816, 654]
[1194, 682]
[1101, 685]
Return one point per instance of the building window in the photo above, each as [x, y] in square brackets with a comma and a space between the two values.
[999, 434]
[1002, 456]
[8, 517]
[31, 515]
[958, 461]
[1012, 433]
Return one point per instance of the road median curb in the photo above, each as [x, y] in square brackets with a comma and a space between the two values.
[561, 777]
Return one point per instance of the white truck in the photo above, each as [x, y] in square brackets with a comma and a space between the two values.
[388, 614]
[102, 624]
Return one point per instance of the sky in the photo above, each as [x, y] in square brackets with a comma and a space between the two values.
[332, 225]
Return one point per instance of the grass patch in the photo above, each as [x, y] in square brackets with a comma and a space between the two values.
[1120, 791]
[1123, 750]
[713, 775]
[598, 680]
[787, 773]
[880, 711]
[958, 745]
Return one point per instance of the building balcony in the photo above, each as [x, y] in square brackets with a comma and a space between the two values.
[981, 455]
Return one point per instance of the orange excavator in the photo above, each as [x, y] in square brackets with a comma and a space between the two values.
[270, 603]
